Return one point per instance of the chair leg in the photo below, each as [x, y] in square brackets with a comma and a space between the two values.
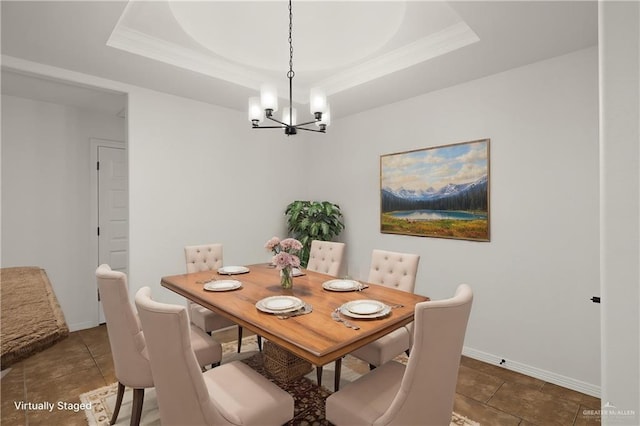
[136, 410]
[116, 409]
[239, 338]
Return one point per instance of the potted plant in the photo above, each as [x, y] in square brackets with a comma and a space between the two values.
[313, 220]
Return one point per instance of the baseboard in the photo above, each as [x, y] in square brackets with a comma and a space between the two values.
[82, 325]
[547, 376]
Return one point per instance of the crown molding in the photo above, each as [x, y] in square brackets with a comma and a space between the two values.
[139, 43]
[447, 40]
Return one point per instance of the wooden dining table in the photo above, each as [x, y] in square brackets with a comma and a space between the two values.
[315, 337]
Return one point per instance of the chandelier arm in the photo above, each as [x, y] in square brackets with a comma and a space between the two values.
[311, 130]
[278, 121]
[267, 127]
[304, 124]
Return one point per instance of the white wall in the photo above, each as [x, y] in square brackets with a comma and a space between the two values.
[619, 46]
[45, 197]
[533, 281]
[199, 174]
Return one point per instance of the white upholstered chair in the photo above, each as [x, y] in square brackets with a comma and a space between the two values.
[423, 392]
[128, 345]
[232, 394]
[326, 257]
[395, 270]
[207, 257]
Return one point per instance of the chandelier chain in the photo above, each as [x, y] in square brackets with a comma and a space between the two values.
[291, 73]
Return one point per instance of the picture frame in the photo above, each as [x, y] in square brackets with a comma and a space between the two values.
[439, 192]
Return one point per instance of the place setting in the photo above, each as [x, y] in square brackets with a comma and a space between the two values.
[343, 285]
[365, 309]
[233, 270]
[284, 307]
[222, 285]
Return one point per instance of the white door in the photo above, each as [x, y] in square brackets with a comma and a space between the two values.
[113, 234]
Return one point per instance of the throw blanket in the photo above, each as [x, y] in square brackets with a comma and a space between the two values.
[31, 316]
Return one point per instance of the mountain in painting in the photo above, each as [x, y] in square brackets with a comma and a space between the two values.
[465, 196]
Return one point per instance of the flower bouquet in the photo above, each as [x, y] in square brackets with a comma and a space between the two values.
[285, 258]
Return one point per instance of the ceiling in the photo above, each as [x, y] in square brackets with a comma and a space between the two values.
[363, 54]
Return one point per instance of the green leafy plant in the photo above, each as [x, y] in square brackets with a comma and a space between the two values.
[313, 220]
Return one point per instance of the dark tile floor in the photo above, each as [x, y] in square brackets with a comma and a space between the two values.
[487, 394]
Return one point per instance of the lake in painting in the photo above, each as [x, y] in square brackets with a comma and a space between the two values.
[437, 215]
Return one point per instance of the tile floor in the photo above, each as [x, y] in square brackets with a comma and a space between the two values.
[488, 394]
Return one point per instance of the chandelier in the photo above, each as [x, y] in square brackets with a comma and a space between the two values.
[267, 104]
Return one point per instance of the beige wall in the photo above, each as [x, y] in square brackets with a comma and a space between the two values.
[46, 205]
[200, 174]
[619, 48]
[533, 281]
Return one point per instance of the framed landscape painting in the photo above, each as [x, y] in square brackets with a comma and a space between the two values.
[440, 192]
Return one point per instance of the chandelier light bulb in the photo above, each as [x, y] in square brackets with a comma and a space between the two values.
[286, 119]
[269, 97]
[317, 101]
[326, 118]
[256, 113]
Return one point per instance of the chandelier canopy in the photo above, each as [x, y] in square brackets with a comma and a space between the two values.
[267, 104]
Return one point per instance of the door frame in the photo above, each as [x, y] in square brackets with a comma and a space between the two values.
[95, 144]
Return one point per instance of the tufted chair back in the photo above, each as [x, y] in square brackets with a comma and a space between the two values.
[183, 397]
[326, 257]
[423, 392]
[428, 387]
[206, 257]
[231, 394]
[128, 346]
[396, 270]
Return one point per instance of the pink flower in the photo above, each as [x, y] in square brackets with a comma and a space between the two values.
[290, 244]
[283, 260]
[272, 244]
[285, 252]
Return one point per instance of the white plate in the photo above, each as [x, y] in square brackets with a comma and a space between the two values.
[341, 285]
[279, 304]
[365, 306]
[232, 270]
[222, 285]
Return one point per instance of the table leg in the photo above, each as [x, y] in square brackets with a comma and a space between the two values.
[336, 378]
[319, 375]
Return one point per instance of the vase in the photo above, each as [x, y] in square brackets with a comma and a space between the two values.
[286, 278]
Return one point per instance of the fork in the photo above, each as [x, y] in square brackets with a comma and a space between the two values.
[213, 278]
[306, 309]
[336, 317]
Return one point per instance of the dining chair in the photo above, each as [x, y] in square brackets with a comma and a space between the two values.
[423, 391]
[128, 345]
[326, 257]
[395, 270]
[231, 394]
[208, 257]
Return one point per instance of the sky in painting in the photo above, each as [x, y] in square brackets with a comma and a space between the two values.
[434, 168]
